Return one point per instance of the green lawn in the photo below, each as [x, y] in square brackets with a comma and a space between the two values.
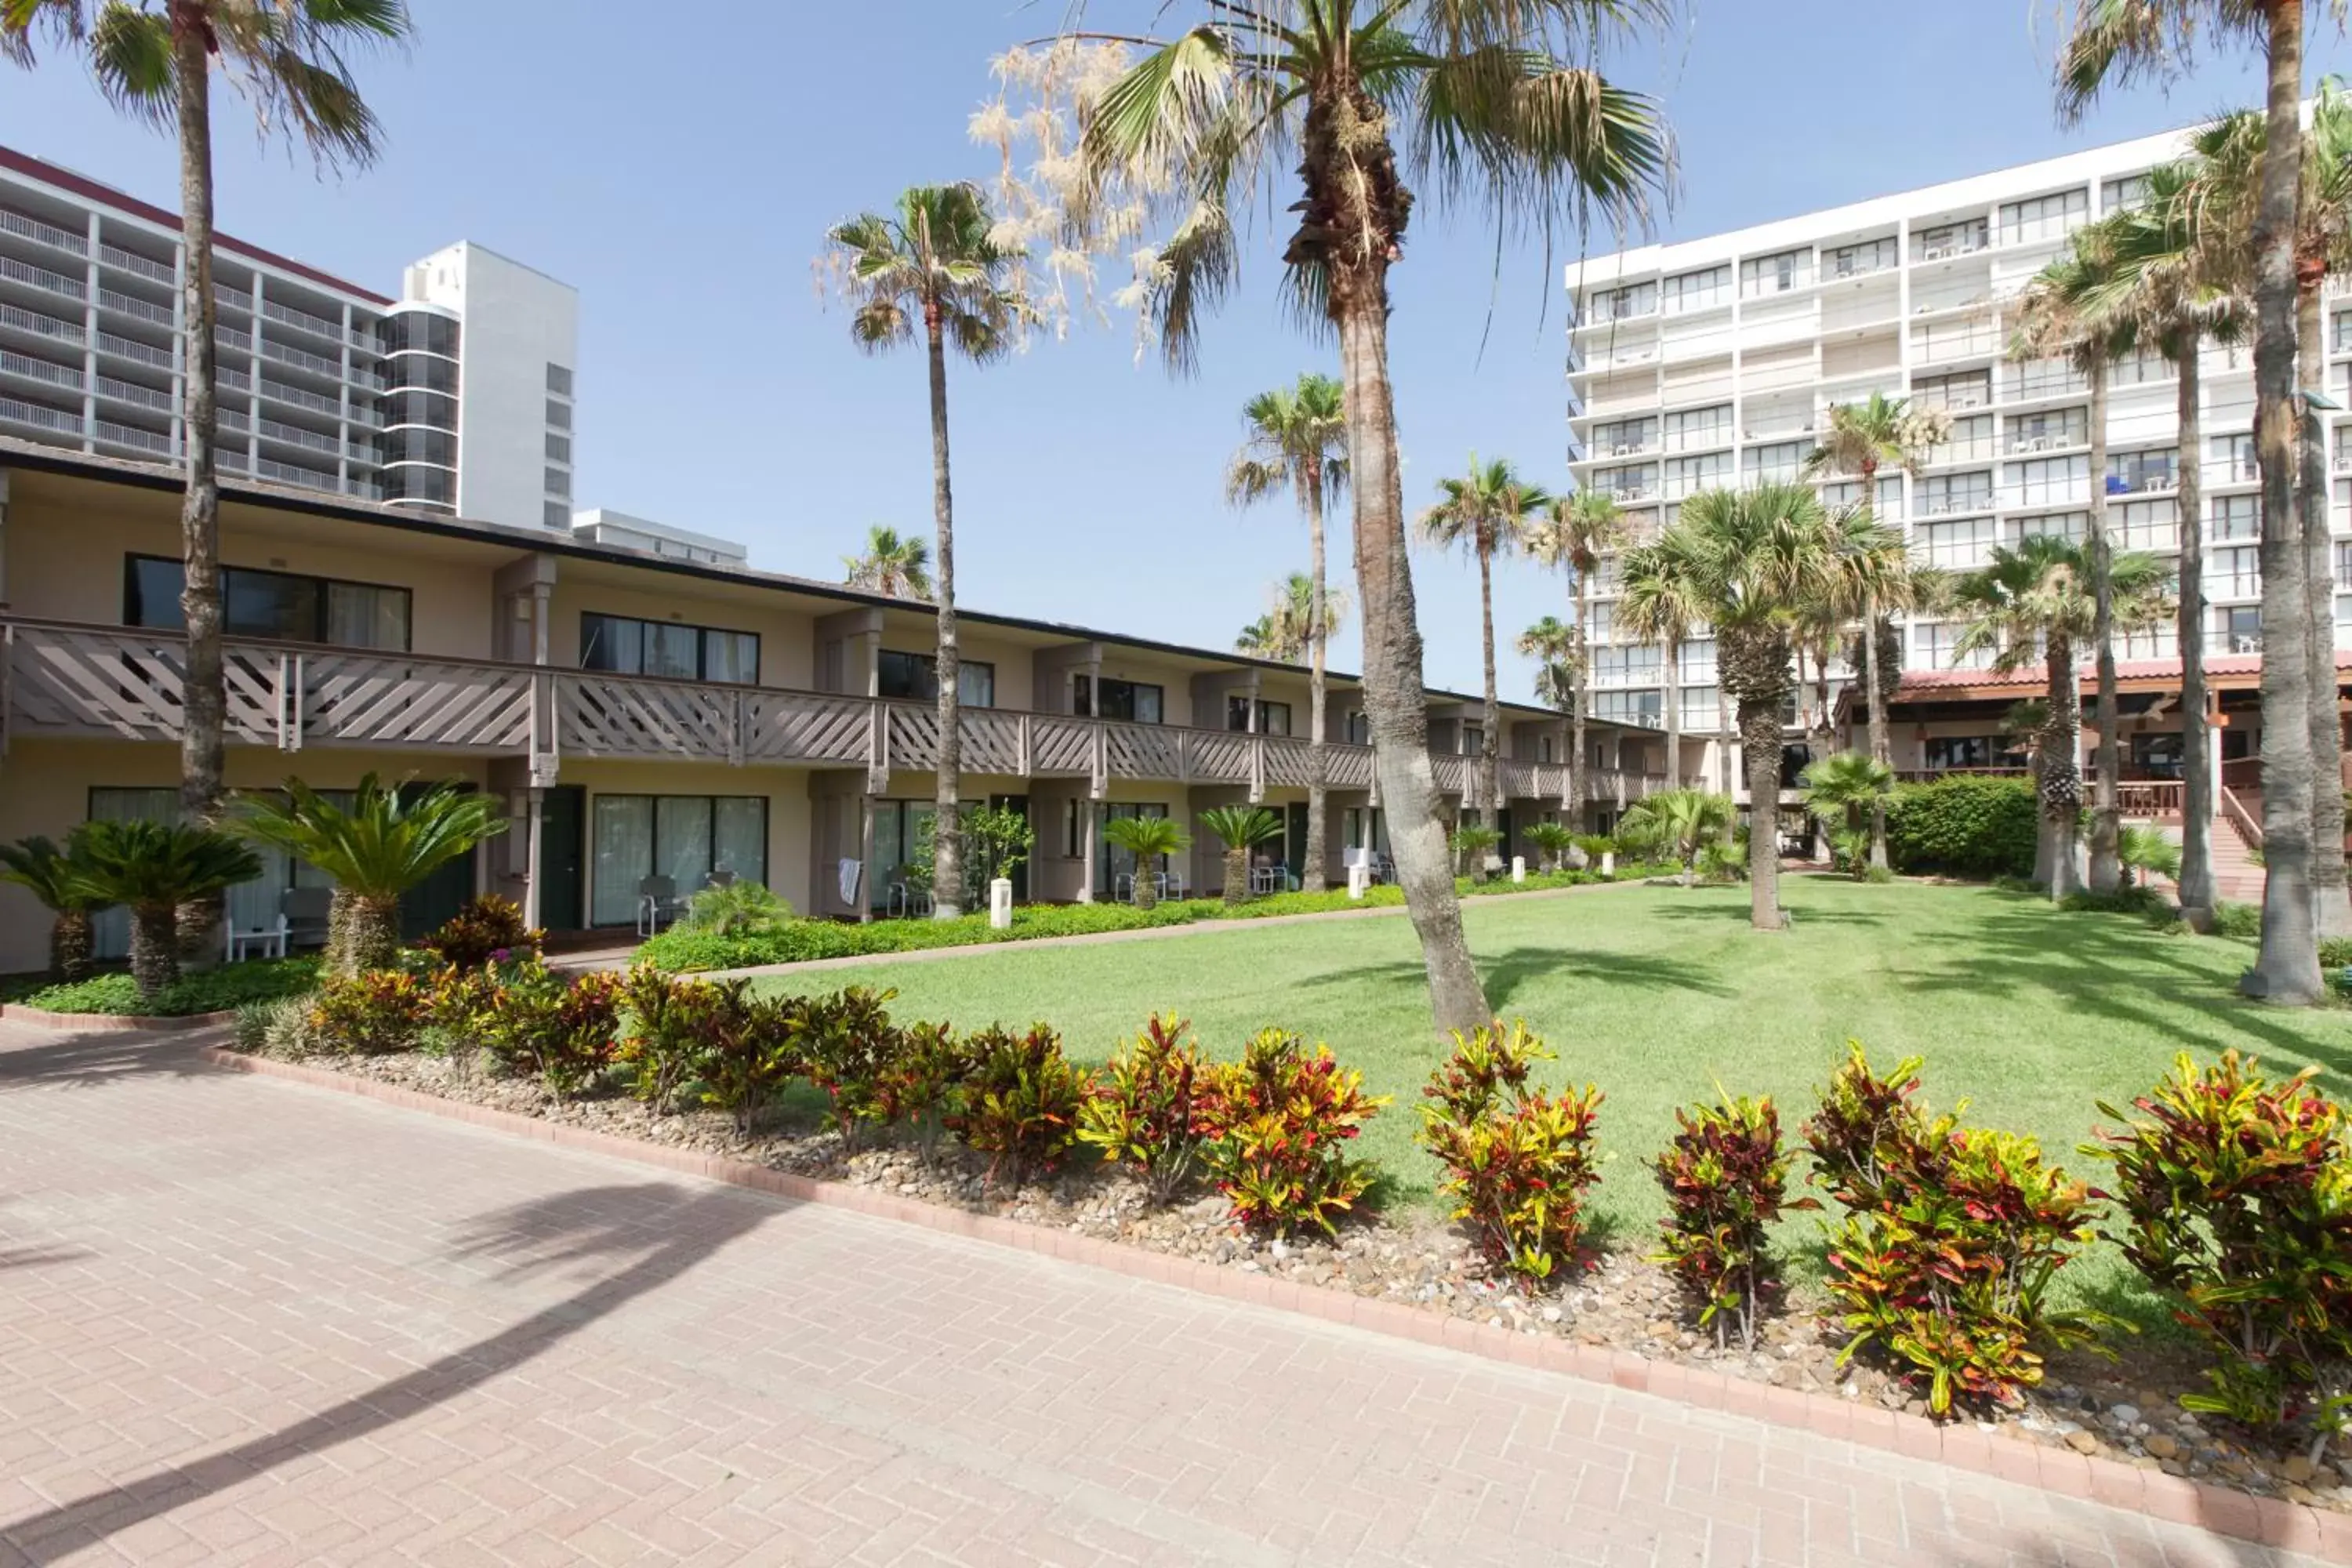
[1658, 995]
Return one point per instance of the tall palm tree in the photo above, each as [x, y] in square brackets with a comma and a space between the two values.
[1757, 557]
[889, 564]
[931, 269]
[1297, 441]
[1583, 526]
[2173, 261]
[1487, 513]
[1286, 631]
[155, 61]
[1661, 600]
[2111, 42]
[1558, 653]
[1861, 439]
[1325, 108]
[2036, 600]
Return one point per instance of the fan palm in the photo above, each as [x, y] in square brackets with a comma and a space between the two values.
[1839, 790]
[155, 61]
[1297, 441]
[1582, 528]
[1148, 839]
[889, 564]
[154, 868]
[1861, 439]
[1679, 823]
[1559, 652]
[1662, 601]
[1285, 632]
[2034, 600]
[931, 267]
[1240, 829]
[62, 884]
[1485, 514]
[384, 842]
[2112, 43]
[1473, 842]
[2145, 851]
[1324, 109]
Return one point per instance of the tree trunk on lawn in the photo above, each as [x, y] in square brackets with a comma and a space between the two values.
[1881, 750]
[1753, 663]
[1147, 895]
[2060, 777]
[154, 948]
[1318, 792]
[69, 947]
[1581, 699]
[2106, 817]
[368, 932]
[2287, 970]
[946, 829]
[1671, 710]
[204, 699]
[2196, 885]
[2331, 906]
[1490, 769]
[1237, 874]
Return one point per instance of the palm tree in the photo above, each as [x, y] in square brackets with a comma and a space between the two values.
[1661, 600]
[1757, 557]
[1485, 514]
[1553, 840]
[1559, 652]
[1838, 791]
[1297, 441]
[1148, 839]
[1678, 823]
[1473, 842]
[378, 847]
[900, 568]
[2034, 600]
[155, 61]
[2115, 41]
[1863, 438]
[1583, 527]
[63, 887]
[1494, 104]
[1241, 828]
[931, 267]
[1285, 632]
[155, 867]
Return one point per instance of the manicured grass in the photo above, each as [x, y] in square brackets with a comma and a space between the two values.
[1658, 995]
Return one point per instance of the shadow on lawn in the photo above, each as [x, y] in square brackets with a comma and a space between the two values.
[1802, 915]
[1505, 973]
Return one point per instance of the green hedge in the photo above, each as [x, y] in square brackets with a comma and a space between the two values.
[1966, 825]
[199, 991]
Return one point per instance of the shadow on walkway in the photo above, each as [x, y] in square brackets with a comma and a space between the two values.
[88, 1061]
[662, 1231]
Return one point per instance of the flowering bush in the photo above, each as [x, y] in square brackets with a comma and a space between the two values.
[1518, 1161]
[372, 1014]
[1951, 1240]
[560, 1029]
[1277, 1124]
[1726, 1176]
[846, 1047]
[2236, 1194]
[1020, 1100]
[485, 930]
[1146, 1107]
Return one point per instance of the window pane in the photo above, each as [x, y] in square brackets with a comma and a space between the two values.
[267, 604]
[673, 650]
[1237, 712]
[623, 838]
[682, 840]
[1274, 718]
[360, 616]
[152, 590]
[730, 656]
[608, 642]
[1147, 706]
[909, 677]
[976, 684]
[741, 842]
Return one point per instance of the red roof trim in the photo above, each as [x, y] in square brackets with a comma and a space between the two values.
[1920, 682]
[106, 195]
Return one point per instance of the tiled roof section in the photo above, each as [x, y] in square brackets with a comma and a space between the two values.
[1917, 684]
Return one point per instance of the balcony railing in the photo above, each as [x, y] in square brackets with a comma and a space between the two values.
[43, 279]
[130, 261]
[32, 229]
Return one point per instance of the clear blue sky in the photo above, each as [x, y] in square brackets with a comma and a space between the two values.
[682, 177]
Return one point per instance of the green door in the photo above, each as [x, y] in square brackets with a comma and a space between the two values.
[562, 853]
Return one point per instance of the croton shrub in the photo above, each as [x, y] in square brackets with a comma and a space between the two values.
[1518, 1161]
[1725, 1176]
[1277, 1124]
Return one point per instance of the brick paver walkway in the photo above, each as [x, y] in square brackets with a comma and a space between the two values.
[246, 1321]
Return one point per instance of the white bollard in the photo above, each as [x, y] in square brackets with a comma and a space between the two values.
[1360, 876]
[1518, 867]
[1000, 904]
[1608, 864]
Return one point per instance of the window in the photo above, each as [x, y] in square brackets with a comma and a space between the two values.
[1472, 740]
[1625, 665]
[1960, 546]
[1698, 660]
[1936, 645]
[1699, 427]
[2149, 525]
[1860, 259]
[1948, 239]
[1354, 822]
[1848, 492]
[915, 676]
[2234, 573]
[422, 372]
[2233, 461]
[2046, 481]
[2235, 629]
[2044, 217]
[1778, 274]
[1697, 291]
[1360, 728]
[2127, 191]
[1628, 707]
[2135, 370]
[1113, 862]
[416, 407]
[559, 483]
[685, 837]
[555, 514]
[628, 647]
[2072, 525]
[274, 605]
[2235, 517]
[558, 415]
[1636, 483]
[412, 482]
[1783, 461]
[1273, 718]
[1941, 493]
[2340, 332]
[417, 444]
[1622, 438]
[1968, 389]
[1688, 475]
[558, 380]
[1945, 752]
[1972, 442]
[2046, 378]
[2130, 472]
[2046, 432]
[559, 448]
[2343, 562]
[1633, 299]
[1129, 700]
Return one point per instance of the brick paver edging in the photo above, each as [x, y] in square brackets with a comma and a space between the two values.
[109, 1023]
[2272, 1522]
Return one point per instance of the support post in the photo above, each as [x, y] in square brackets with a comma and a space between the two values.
[1086, 810]
[532, 858]
[866, 857]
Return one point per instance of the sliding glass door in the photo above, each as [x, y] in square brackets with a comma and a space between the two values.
[685, 837]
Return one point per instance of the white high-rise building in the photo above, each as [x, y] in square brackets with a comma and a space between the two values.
[1715, 363]
[457, 397]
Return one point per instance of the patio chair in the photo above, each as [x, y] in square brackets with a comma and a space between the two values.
[658, 901]
[305, 912]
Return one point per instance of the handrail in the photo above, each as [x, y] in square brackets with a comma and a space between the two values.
[2250, 832]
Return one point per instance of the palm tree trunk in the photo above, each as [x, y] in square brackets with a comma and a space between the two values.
[2106, 817]
[369, 931]
[1671, 710]
[947, 830]
[1393, 693]
[69, 947]
[154, 948]
[2331, 906]
[2287, 972]
[2196, 883]
[1759, 737]
[204, 697]
[2061, 777]
[1319, 792]
[1582, 700]
[1490, 771]
[1881, 750]
[1237, 874]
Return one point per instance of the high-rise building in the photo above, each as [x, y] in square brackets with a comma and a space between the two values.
[1714, 362]
[457, 396]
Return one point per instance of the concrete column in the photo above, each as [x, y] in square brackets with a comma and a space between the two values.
[531, 859]
[864, 859]
[1086, 810]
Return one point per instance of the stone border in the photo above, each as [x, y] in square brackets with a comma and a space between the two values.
[2271, 1522]
[109, 1023]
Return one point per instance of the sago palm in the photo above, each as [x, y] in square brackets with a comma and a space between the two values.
[153, 868]
[1842, 792]
[385, 842]
[154, 60]
[1679, 823]
[1297, 441]
[900, 567]
[931, 270]
[2111, 43]
[1582, 527]
[1662, 601]
[1148, 839]
[1240, 829]
[1153, 147]
[1553, 840]
[63, 887]
[1473, 842]
[1485, 514]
